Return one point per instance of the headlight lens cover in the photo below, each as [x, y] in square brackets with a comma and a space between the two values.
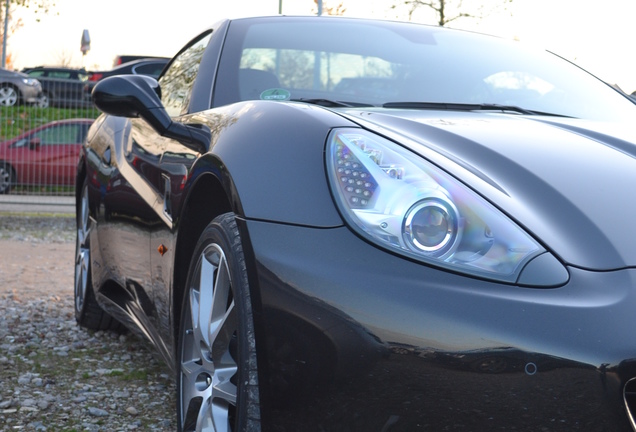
[402, 202]
[30, 81]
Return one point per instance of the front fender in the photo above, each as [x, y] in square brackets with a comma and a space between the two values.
[269, 158]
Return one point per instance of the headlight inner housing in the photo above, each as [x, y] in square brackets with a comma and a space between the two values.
[431, 227]
[400, 201]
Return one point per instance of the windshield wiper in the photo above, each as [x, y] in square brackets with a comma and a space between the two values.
[467, 107]
[329, 103]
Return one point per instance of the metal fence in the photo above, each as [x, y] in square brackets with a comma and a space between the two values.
[40, 143]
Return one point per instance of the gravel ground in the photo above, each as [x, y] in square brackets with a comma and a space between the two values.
[54, 375]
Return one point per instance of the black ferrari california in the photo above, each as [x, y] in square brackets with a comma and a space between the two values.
[331, 224]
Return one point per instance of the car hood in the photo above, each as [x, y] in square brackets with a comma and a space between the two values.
[568, 182]
[11, 74]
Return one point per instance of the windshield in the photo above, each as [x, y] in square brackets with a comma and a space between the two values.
[360, 63]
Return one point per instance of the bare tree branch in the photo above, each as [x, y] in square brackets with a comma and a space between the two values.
[442, 8]
[43, 7]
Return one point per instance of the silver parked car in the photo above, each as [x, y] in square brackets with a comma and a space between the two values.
[16, 87]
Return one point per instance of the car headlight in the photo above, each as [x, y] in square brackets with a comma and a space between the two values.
[30, 81]
[404, 203]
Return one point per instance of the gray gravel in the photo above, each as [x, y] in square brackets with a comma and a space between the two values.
[56, 376]
[37, 229]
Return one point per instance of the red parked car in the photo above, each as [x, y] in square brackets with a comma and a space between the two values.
[46, 155]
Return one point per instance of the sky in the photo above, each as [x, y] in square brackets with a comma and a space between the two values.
[598, 36]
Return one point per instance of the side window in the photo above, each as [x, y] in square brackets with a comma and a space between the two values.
[63, 134]
[177, 81]
[60, 74]
[152, 69]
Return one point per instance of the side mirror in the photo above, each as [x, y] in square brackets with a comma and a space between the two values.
[139, 96]
[34, 143]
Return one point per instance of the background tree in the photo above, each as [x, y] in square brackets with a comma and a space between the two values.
[64, 58]
[446, 11]
[38, 7]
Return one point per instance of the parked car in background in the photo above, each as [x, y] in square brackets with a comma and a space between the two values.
[121, 59]
[333, 224]
[61, 87]
[44, 156]
[16, 88]
[150, 66]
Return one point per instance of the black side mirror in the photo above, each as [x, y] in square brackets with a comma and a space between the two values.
[139, 96]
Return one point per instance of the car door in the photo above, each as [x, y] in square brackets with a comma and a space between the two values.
[143, 201]
[66, 88]
[177, 84]
[63, 87]
[48, 156]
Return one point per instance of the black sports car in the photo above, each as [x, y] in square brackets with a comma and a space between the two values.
[330, 224]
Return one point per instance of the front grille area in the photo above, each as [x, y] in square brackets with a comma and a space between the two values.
[629, 396]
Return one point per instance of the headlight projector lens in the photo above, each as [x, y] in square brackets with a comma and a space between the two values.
[431, 226]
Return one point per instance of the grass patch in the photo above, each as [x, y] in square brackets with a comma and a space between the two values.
[141, 375]
[44, 190]
[16, 120]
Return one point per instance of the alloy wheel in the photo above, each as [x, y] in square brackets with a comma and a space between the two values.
[44, 101]
[82, 252]
[5, 178]
[208, 352]
[8, 96]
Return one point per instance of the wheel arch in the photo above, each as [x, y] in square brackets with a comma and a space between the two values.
[79, 179]
[206, 199]
[211, 194]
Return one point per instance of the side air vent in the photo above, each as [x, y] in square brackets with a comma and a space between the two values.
[629, 396]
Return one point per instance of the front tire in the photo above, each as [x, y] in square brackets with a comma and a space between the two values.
[9, 96]
[7, 177]
[217, 378]
[88, 313]
[44, 101]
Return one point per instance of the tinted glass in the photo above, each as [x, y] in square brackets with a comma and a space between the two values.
[152, 69]
[177, 81]
[59, 134]
[376, 63]
[60, 74]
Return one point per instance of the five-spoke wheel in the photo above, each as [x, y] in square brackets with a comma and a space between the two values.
[82, 252]
[88, 313]
[8, 96]
[217, 377]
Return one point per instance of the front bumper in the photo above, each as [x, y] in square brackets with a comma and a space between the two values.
[354, 338]
[31, 94]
